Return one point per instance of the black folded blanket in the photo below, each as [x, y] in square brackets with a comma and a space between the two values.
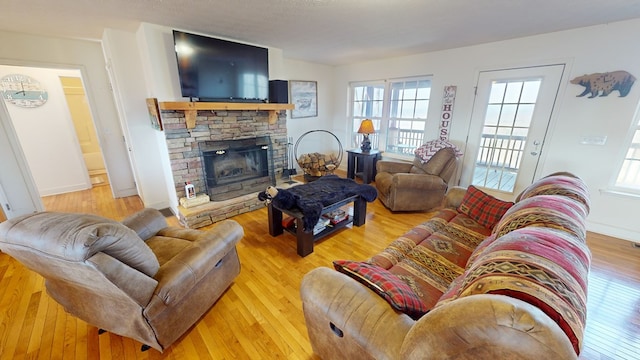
[327, 190]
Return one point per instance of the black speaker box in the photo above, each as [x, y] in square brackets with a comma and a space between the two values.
[278, 91]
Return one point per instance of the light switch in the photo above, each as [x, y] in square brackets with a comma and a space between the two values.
[594, 140]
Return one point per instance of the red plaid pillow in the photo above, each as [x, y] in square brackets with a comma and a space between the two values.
[482, 207]
[397, 293]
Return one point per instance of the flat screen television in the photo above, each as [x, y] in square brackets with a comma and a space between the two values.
[212, 69]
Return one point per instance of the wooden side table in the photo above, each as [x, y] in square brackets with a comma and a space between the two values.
[363, 164]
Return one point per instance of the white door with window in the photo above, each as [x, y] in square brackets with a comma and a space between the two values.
[508, 126]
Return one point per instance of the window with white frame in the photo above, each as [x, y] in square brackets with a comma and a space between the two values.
[398, 109]
[629, 174]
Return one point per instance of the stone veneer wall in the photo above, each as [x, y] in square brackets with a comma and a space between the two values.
[186, 164]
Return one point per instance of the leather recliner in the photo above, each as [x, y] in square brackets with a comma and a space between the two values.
[140, 278]
[405, 186]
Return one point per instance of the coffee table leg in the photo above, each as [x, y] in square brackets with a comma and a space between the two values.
[304, 239]
[359, 211]
[275, 221]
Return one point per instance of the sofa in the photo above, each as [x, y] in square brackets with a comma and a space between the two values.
[139, 278]
[482, 279]
[416, 186]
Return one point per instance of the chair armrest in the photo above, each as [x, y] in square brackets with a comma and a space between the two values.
[180, 274]
[453, 197]
[419, 182]
[135, 284]
[486, 327]
[146, 223]
[393, 167]
[335, 304]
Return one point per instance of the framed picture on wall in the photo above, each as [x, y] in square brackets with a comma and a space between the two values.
[154, 113]
[304, 96]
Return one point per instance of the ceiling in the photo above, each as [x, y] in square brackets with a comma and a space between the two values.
[332, 32]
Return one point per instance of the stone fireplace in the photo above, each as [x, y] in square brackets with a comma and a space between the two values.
[233, 168]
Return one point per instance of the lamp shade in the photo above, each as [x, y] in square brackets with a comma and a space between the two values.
[366, 127]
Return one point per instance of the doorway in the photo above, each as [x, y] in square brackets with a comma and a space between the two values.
[509, 123]
[58, 138]
[85, 129]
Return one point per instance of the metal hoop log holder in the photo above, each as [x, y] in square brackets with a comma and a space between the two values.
[312, 169]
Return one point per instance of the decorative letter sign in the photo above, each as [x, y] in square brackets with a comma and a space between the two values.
[447, 112]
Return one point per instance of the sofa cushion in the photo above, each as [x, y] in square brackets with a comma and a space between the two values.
[562, 184]
[545, 267]
[388, 286]
[549, 211]
[480, 248]
[431, 255]
[399, 248]
[485, 209]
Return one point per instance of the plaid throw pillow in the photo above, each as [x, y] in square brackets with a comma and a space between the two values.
[397, 293]
[482, 207]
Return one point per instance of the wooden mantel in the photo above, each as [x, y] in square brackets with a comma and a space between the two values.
[191, 109]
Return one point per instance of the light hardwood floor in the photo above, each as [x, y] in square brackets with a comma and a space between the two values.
[260, 315]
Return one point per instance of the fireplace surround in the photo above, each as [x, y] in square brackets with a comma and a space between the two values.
[184, 143]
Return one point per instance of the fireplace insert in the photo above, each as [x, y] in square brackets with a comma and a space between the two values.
[238, 167]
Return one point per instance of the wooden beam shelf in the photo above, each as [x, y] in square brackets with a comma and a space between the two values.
[191, 109]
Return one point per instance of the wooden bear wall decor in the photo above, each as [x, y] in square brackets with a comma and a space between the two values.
[604, 83]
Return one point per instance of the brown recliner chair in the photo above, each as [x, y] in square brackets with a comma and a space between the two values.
[139, 278]
[404, 186]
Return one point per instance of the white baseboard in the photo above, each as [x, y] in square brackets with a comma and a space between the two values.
[63, 189]
[616, 232]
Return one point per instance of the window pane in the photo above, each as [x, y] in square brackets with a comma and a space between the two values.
[512, 94]
[520, 132]
[504, 131]
[525, 114]
[410, 93]
[493, 114]
[418, 125]
[489, 130]
[422, 107]
[497, 93]
[407, 109]
[508, 115]
[424, 92]
[530, 91]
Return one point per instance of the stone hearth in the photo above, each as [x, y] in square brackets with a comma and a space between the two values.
[218, 125]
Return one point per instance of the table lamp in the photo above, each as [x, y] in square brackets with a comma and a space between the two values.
[366, 128]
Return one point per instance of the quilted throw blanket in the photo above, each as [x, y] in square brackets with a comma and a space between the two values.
[428, 149]
[327, 190]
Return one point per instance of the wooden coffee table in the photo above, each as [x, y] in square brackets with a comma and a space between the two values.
[306, 239]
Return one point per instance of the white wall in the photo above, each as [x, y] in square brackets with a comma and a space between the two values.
[320, 142]
[131, 88]
[588, 50]
[47, 135]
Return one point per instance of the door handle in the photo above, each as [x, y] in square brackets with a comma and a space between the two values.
[536, 144]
